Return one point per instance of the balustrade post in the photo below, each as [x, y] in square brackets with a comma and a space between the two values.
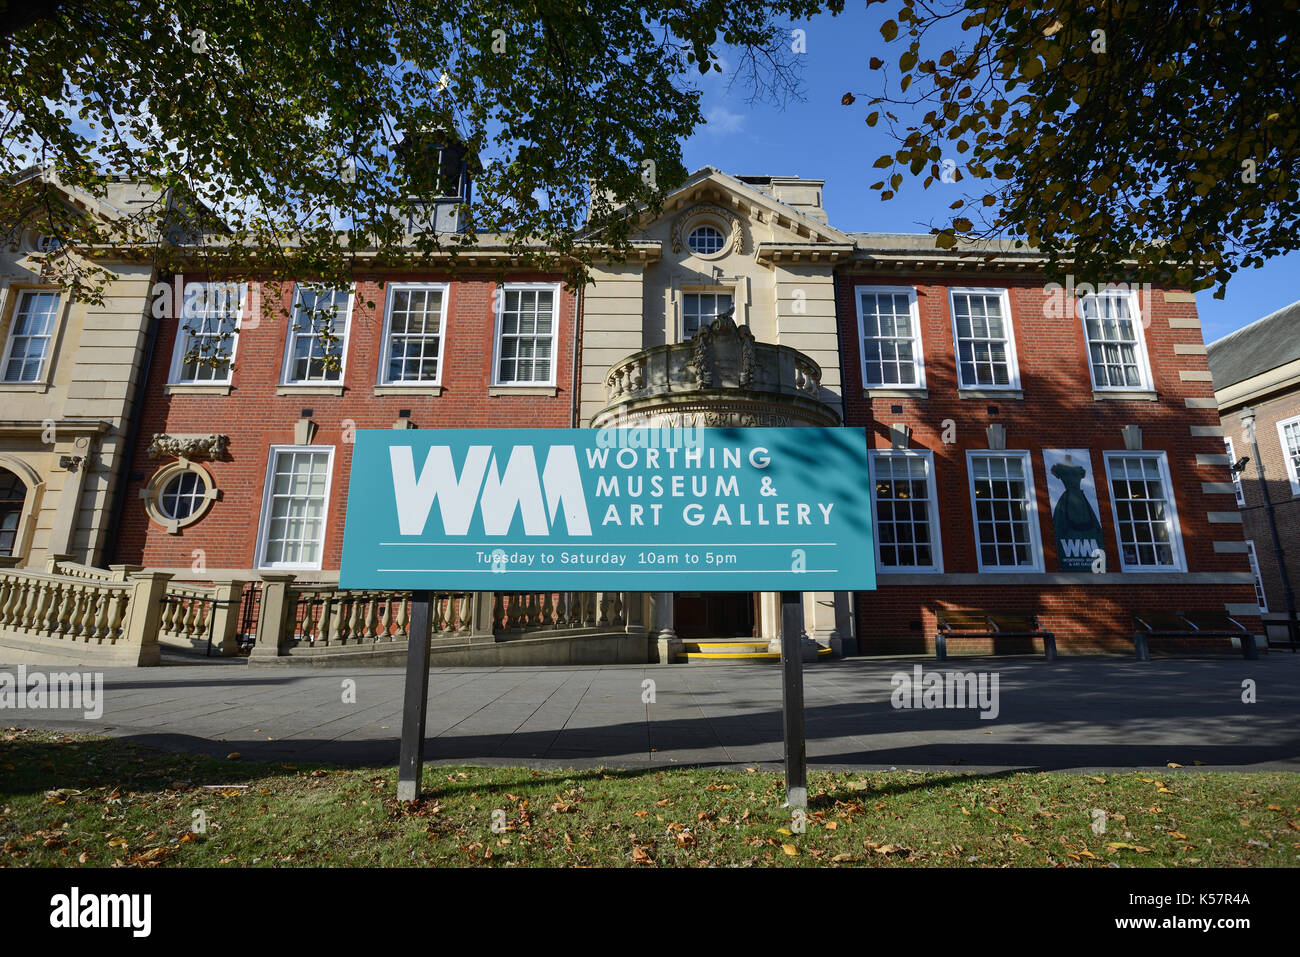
[271, 615]
[225, 616]
[143, 615]
[483, 605]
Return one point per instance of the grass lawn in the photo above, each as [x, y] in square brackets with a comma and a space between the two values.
[79, 799]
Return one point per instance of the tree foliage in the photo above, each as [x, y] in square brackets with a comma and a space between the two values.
[1123, 136]
[267, 128]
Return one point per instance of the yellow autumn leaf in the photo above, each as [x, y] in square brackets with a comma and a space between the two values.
[790, 850]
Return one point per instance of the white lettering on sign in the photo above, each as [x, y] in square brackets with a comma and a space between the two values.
[538, 499]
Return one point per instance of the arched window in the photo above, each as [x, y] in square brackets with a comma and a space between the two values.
[13, 493]
[183, 494]
[705, 240]
[179, 494]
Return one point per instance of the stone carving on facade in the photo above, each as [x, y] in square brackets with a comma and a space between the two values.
[191, 447]
[679, 231]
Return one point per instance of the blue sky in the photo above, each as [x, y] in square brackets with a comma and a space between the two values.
[820, 139]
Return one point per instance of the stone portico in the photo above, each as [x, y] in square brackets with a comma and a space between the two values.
[723, 378]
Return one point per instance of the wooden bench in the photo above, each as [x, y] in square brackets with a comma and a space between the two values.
[1189, 624]
[980, 624]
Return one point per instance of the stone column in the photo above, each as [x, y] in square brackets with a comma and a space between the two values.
[225, 616]
[63, 530]
[819, 611]
[770, 619]
[633, 612]
[144, 614]
[482, 630]
[271, 614]
[661, 625]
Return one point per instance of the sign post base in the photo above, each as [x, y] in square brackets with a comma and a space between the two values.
[415, 701]
[796, 756]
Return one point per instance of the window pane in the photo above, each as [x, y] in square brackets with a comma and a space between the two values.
[1142, 504]
[295, 530]
[1003, 511]
[983, 337]
[29, 338]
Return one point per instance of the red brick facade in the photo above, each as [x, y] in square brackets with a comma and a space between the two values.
[1058, 411]
[1279, 407]
[255, 417]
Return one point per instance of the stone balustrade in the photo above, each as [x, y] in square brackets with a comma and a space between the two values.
[80, 618]
[721, 377]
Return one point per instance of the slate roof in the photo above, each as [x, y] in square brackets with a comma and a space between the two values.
[1264, 344]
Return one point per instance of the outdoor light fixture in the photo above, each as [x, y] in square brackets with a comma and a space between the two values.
[1240, 465]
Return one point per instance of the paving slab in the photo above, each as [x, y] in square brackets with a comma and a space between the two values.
[1079, 713]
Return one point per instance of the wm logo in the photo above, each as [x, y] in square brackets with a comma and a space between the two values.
[539, 498]
[1078, 547]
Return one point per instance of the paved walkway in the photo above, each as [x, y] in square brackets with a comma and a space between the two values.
[1079, 713]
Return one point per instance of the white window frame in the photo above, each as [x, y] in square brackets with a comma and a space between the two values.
[1292, 469]
[1013, 360]
[264, 522]
[1135, 316]
[385, 355]
[936, 533]
[184, 337]
[723, 239]
[1176, 540]
[1035, 536]
[1237, 489]
[918, 352]
[293, 334]
[55, 321]
[705, 291]
[1259, 579]
[500, 306]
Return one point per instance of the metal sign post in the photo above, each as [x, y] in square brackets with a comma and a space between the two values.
[796, 750]
[415, 700]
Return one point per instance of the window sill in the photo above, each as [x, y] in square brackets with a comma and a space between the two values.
[24, 386]
[523, 390]
[873, 392]
[1123, 395]
[990, 393]
[413, 389]
[306, 388]
[197, 388]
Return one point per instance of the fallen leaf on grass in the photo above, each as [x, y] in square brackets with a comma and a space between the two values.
[790, 849]
[888, 850]
[1115, 846]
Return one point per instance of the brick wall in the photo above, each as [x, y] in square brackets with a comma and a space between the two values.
[255, 417]
[1058, 411]
[1286, 505]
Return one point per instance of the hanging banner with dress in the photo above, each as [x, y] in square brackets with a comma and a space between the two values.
[1075, 517]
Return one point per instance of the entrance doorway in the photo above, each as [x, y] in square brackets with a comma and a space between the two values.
[728, 614]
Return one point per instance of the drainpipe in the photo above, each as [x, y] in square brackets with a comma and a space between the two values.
[133, 430]
[844, 419]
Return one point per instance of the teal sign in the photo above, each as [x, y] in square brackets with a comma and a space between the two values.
[608, 509]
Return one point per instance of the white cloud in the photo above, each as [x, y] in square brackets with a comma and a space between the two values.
[721, 120]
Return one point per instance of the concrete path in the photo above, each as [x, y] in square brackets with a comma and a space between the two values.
[1100, 713]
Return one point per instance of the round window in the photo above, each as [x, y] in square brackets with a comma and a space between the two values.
[182, 496]
[705, 240]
